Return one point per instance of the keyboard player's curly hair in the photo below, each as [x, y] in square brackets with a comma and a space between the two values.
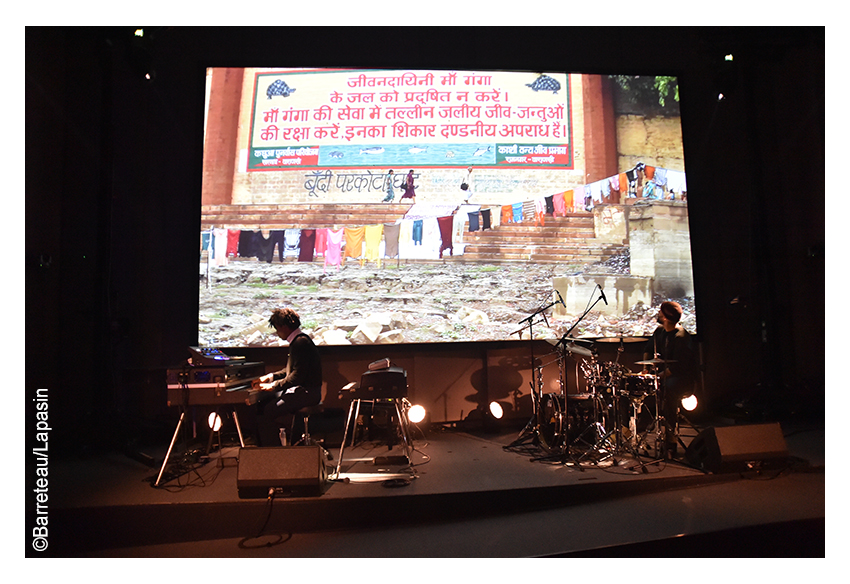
[285, 317]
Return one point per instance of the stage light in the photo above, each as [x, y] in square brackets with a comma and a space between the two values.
[689, 402]
[139, 32]
[214, 421]
[416, 414]
[496, 410]
[720, 97]
[729, 57]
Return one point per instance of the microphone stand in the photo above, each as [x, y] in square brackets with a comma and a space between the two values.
[581, 318]
[531, 429]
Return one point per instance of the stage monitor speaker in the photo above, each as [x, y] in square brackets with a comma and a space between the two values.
[738, 448]
[289, 470]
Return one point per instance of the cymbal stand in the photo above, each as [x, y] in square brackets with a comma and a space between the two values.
[657, 426]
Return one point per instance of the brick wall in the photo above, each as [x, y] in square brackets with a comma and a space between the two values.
[491, 185]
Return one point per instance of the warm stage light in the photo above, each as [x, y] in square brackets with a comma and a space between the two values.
[215, 422]
[416, 414]
[689, 402]
[496, 410]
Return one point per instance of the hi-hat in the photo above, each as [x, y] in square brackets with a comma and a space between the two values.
[655, 362]
[573, 348]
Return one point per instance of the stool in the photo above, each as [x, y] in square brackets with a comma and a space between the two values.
[306, 439]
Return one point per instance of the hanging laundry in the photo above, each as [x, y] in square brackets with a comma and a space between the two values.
[604, 191]
[232, 242]
[614, 190]
[353, 242]
[333, 250]
[676, 181]
[550, 204]
[507, 214]
[405, 238]
[570, 200]
[539, 211]
[464, 214]
[308, 245]
[417, 231]
[264, 245]
[373, 236]
[445, 224]
[624, 186]
[661, 177]
[391, 237]
[485, 218]
[219, 247]
[529, 210]
[291, 242]
[632, 178]
[560, 204]
[473, 221]
[517, 212]
[247, 245]
[431, 238]
[321, 244]
[495, 216]
[649, 172]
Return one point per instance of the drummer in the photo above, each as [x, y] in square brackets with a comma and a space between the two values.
[672, 344]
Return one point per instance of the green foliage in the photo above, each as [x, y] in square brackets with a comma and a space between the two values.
[646, 95]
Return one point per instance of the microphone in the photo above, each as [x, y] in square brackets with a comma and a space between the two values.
[560, 299]
[602, 293]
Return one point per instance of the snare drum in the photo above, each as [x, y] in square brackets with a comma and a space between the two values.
[637, 385]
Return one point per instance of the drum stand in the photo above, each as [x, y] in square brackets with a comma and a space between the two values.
[657, 427]
[603, 443]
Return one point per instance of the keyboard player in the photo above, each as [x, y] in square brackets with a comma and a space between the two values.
[298, 386]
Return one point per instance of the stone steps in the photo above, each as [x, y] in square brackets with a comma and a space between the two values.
[300, 216]
[549, 255]
[563, 240]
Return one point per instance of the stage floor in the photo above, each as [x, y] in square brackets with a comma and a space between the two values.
[470, 495]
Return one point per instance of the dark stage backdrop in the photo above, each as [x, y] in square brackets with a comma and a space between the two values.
[113, 192]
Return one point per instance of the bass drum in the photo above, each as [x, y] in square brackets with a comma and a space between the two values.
[582, 412]
[552, 423]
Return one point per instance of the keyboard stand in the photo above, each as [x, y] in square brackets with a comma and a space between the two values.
[403, 426]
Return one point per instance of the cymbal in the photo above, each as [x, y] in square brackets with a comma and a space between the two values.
[569, 340]
[655, 361]
[620, 340]
[573, 348]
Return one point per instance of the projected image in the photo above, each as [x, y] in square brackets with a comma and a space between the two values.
[421, 206]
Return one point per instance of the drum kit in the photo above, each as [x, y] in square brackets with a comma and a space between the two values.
[617, 413]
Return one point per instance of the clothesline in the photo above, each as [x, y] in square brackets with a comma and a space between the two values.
[429, 229]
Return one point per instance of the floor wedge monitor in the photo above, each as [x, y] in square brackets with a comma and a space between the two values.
[281, 471]
[738, 448]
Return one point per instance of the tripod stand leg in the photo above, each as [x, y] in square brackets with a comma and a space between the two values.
[526, 433]
[170, 447]
[238, 429]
